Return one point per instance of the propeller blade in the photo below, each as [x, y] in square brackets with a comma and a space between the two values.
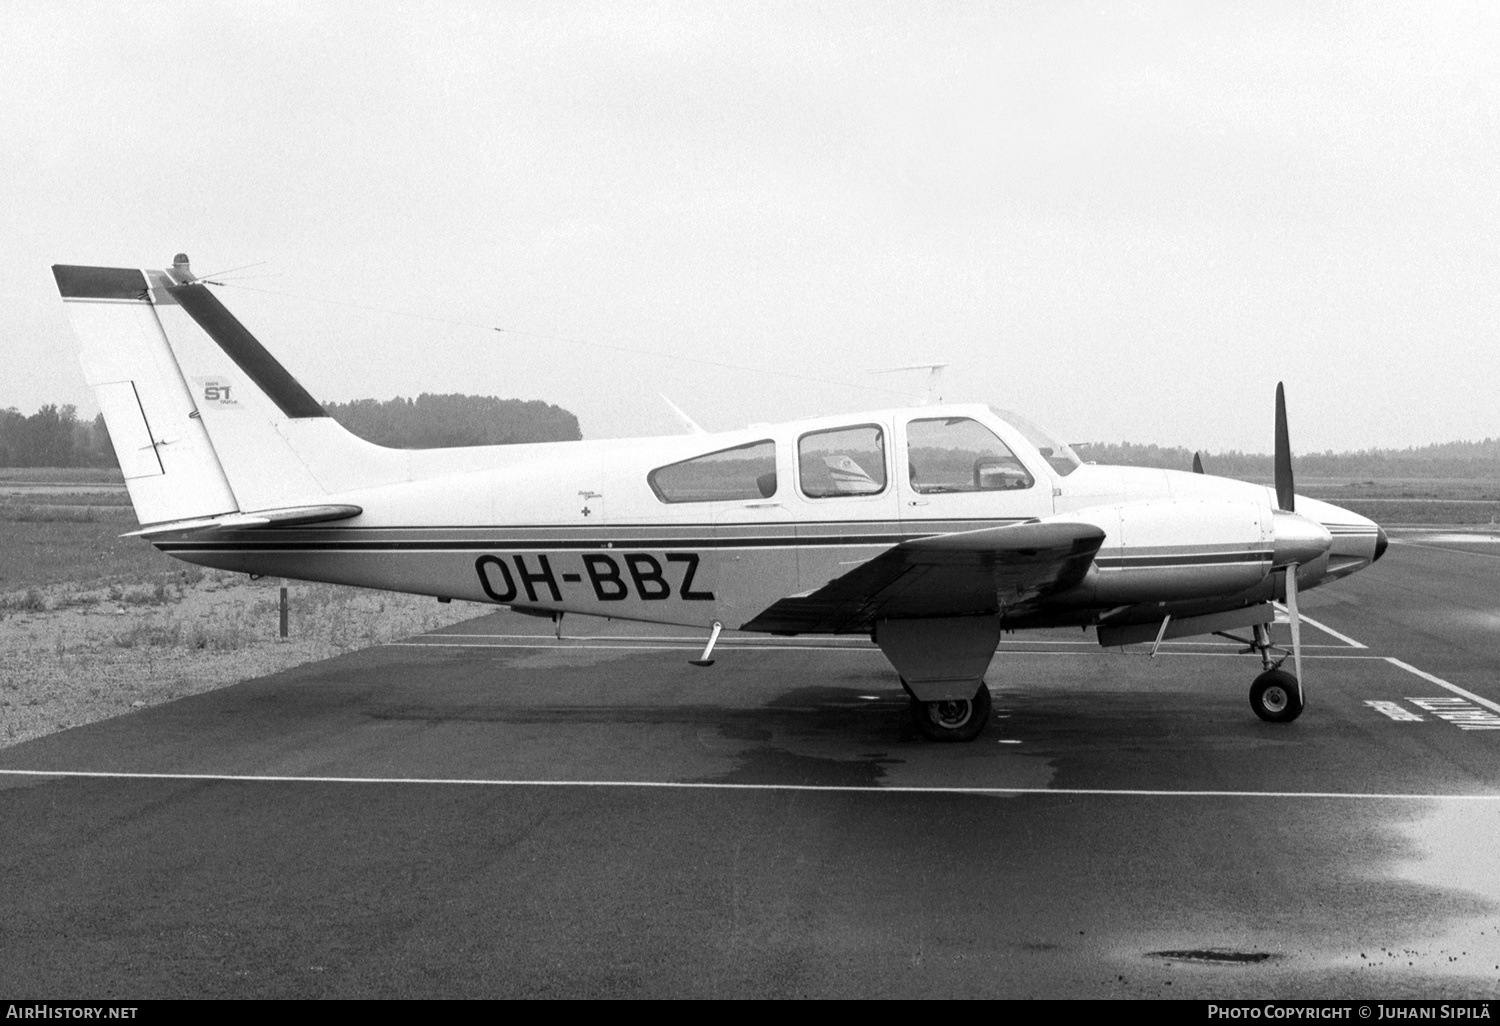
[1296, 622]
[1197, 463]
[1285, 492]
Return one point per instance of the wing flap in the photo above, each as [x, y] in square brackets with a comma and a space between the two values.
[962, 574]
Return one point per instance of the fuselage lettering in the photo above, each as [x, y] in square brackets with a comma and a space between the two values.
[543, 577]
[487, 564]
[604, 575]
[686, 591]
[642, 576]
[650, 585]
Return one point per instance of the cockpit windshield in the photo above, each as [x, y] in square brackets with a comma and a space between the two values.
[1055, 451]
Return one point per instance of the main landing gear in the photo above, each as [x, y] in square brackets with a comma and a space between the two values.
[951, 720]
[1276, 696]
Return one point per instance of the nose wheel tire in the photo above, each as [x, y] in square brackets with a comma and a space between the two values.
[1275, 697]
[952, 720]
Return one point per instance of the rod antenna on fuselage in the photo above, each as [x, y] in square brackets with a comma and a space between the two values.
[687, 422]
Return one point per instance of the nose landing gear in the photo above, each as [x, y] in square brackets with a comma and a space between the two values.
[1275, 697]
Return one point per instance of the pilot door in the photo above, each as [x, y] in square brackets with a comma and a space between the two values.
[753, 561]
[845, 500]
[956, 474]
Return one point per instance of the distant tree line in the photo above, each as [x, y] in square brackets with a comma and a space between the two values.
[442, 421]
[55, 437]
[1447, 459]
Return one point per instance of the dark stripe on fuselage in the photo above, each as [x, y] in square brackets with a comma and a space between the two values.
[537, 544]
[75, 281]
[1187, 559]
[272, 545]
[244, 349]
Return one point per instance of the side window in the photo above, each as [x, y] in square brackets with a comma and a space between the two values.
[845, 461]
[744, 472]
[956, 454]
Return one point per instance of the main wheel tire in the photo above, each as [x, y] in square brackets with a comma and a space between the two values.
[1275, 697]
[953, 720]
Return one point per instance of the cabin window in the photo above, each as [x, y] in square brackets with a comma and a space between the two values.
[957, 454]
[845, 461]
[744, 472]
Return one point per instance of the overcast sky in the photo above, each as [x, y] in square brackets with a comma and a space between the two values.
[1126, 220]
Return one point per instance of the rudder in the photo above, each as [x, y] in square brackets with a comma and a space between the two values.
[204, 419]
[170, 467]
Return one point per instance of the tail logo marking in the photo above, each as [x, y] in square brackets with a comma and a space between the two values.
[219, 391]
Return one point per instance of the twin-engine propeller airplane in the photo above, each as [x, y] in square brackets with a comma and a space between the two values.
[931, 529]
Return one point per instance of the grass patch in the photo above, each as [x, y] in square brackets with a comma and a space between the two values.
[73, 655]
[150, 635]
[48, 513]
[158, 593]
[64, 475]
[29, 601]
[211, 635]
[88, 554]
[42, 497]
[1427, 512]
[1425, 501]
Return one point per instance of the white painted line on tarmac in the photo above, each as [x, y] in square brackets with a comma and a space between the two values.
[1240, 655]
[868, 650]
[1329, 630]
[1453, 538]
[1444, 548]
[1394, 710]
[675, 785]
[1440, 682]
[696, 639]
[756, 642]
[1460, 712]
[1320, 626]
[563, 646]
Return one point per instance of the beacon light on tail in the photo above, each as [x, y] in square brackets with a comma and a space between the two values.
[931, 529]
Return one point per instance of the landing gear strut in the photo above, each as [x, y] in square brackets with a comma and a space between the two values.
[1276, 696]
[951, 720]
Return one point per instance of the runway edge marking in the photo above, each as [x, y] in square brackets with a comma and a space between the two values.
[1440, 682]
[709, 786]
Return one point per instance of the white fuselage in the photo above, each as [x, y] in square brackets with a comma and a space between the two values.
[578, 526]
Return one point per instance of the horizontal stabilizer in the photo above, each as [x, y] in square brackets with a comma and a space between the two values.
[291, 516]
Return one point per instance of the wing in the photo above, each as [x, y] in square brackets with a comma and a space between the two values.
[967, 573]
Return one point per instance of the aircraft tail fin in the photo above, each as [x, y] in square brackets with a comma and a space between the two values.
[204, 420]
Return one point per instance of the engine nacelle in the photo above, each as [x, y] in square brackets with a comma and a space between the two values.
[1168, 551]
